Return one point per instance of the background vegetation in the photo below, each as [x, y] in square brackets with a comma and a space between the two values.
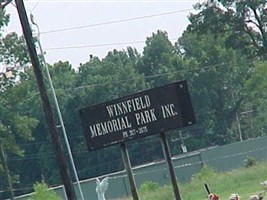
[245, 182]
[222, 54]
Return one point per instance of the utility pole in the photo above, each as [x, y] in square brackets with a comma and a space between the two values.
[239, 127]
[58, 109]
[61, 160]
[7, 172]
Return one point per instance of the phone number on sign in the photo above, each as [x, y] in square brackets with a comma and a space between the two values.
[134, 132]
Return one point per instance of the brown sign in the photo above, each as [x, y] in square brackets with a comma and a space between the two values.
[139, 115]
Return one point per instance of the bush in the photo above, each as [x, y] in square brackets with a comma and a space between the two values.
[249, 162]
[205, 174]
[148, 186]
[41, 192]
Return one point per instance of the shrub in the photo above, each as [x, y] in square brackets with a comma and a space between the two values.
[41, 192]
[148, 186]
[249, 162]
[205, 174]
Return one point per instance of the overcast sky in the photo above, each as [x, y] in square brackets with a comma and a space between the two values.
[72, 30]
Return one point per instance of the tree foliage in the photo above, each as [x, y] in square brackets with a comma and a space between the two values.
[4, 19]
[156, 61]
[244, 23]
[15, 124]
[255, 120]
[217, 79]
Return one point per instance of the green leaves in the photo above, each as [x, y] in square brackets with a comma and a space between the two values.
[13, 50]
[116, 75]
[42, 192]
[4, 19]
[217, 79]
[256, 98]
[244, 23]
[157, 58]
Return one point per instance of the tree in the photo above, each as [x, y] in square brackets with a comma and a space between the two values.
[156, 61]
[15, 130]
[221, 42]
[13, 51]
[13, 54]
[15, 126]
[243, 22]
[256, 102]
[4, 18]
[108, 79]
[14, 57]
[240, 29]
[216, 76]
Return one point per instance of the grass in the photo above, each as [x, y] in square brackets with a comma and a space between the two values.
[243, 181]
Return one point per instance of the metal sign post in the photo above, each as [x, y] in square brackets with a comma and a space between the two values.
[128, 168]
[167, 154]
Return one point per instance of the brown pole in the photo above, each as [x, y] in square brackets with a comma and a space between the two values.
[128, 168]
[61, 160]
[168, 159]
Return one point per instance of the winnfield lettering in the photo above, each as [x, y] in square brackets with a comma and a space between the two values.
[128, 106]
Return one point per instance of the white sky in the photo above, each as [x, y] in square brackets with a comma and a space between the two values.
[134, 28]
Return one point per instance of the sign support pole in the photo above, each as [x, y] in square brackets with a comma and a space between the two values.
[128, 168]
[168, 159]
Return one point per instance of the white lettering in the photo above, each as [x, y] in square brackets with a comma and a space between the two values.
[137, 103]
[93, 131]
[147, 99]
[128, 106]
[168, 110]
[115, 125]
[111, 126]
[145, 117]
[110, 111]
